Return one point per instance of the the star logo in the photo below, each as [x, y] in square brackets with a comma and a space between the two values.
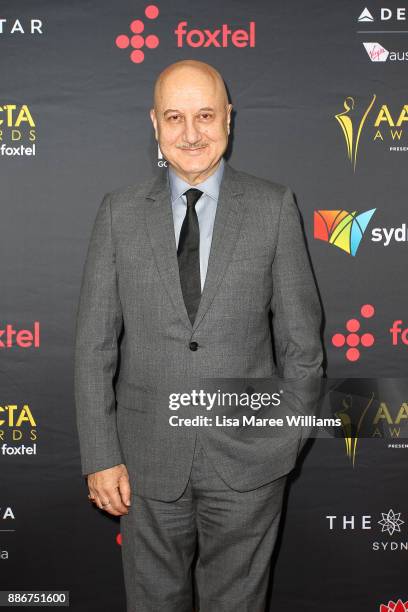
[391, 522]
[394, 606]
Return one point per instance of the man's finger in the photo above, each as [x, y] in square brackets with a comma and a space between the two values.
[92, 494]
[124, 490]
[116, 506]
[98, 501]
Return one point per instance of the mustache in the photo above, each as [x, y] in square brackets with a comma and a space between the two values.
[201, 146]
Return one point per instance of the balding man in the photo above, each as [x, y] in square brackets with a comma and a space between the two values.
[181, 275]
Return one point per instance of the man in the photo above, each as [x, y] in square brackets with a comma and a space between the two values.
[181, 274]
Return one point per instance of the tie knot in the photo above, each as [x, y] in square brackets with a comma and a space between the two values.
[192, 195]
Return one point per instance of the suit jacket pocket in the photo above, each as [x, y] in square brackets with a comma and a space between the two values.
[132, 397]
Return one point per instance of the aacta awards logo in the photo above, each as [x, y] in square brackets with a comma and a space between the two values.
[352, 132]
[221, 36]
[17, 426]
[387, 126]
[394, 606]
[364, 414]
[17, 131]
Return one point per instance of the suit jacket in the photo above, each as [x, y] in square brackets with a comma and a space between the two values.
[133, 333]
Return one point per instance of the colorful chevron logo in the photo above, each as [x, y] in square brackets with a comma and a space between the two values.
[341, 228]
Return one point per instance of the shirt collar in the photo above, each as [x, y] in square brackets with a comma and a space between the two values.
[211, 185]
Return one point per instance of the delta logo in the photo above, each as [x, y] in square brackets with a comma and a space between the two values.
[384, 125]
[345, 230]
[394, 606]
[221, 36]
[385, 14]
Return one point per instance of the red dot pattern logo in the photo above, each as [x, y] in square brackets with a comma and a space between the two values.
[137, 40]
[353, 340]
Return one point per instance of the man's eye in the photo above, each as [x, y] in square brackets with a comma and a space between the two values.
[175, 117]
[206, 115]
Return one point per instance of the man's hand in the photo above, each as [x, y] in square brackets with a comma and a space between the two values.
[110, 489]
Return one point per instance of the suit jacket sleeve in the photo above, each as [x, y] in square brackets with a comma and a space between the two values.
[295, 304]
[296, 319]
[99, 322]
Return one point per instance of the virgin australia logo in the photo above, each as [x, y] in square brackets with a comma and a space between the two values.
[376, 52]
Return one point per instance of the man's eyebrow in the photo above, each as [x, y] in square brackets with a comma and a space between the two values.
[174, 110]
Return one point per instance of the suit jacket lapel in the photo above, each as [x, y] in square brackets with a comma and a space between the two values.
[160, 226]
[227, 224]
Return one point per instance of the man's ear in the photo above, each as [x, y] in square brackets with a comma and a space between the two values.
[154, 121]
[229, 111]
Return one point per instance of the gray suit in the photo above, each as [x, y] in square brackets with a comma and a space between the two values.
[131, 306]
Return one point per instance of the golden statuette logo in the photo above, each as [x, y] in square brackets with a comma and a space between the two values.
[349, 130]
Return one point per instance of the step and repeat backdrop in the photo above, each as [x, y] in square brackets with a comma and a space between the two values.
[320, 104]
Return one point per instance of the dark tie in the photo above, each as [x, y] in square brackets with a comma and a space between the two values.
[188, 255]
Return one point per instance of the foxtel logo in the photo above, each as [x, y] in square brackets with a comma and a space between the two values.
[24, 338]
[354, 341]
[345, 230]
[221, 37]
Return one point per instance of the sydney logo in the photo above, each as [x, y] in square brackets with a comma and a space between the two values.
[341, 228]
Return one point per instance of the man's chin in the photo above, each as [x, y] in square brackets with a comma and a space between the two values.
[192, 164]
[192, 167]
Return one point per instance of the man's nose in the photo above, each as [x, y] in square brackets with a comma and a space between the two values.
[191, 133]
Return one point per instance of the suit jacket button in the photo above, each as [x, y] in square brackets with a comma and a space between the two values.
[193, 346]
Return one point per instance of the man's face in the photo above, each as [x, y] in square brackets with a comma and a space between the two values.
[191, 123]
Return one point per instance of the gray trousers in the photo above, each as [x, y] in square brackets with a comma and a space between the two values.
[231, 535]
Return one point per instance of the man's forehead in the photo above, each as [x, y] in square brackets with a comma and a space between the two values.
[186, 86]
[187, 74]
[187, 98]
